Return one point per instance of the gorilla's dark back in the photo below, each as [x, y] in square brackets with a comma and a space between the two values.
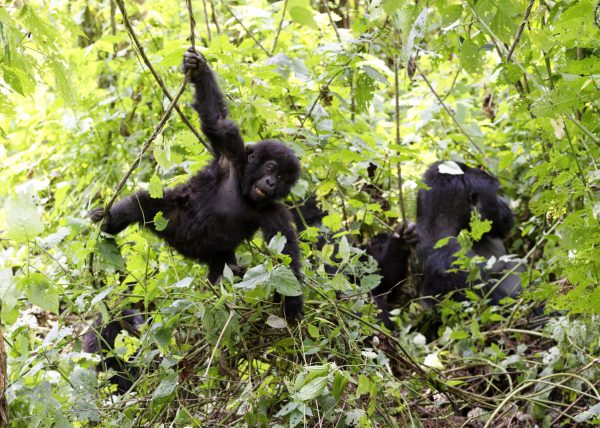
[443, 211]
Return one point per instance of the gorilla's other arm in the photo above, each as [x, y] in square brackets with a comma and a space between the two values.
[392, 253]
[136, 208]
[281, 221]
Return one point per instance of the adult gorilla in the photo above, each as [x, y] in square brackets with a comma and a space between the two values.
[443, 211]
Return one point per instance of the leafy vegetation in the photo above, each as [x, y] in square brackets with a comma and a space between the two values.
[510, 85]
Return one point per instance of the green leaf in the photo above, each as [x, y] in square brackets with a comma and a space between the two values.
[22, 218]
[285, 282]
[312, 389]
[161, 334]
[333, 221]
[160, 223]
[155, 187]
[478, 226]
[451, 13]
[471, 56]
[8, 291]
[63, 81]
[303, 15]
[41, 292]
[592, 412]
[339, 384]
[109, 253]
[432, 360]
[369, 282]
[442, 242]
[255, 276]
[390, 6]
[289, 407]
[364, 91]
[459, 335]
[344, 249]
[276, 322]
[313, 331]
[166, 386]
[163, 157]
[416, 32]
[277, 244]
[364, 385]
[13, 81]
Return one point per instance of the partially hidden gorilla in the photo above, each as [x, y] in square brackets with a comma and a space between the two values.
[222, 205]
[443, 211]
[125, 374]
[391, 251]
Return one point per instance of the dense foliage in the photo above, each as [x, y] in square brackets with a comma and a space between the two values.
[511, 85]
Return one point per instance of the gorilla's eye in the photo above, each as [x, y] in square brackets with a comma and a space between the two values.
[251, 157]
[270, 167]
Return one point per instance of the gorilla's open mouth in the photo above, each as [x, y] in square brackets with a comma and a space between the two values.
[260, 192]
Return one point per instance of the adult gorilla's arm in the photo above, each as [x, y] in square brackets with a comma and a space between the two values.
[209, 102]
[394, 263]
[280, 220]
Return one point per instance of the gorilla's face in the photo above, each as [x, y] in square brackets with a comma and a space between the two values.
[271, 170]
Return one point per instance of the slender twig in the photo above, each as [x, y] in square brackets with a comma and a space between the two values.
[157, 129]
[520, 30]
[586, 131]
[453, 84]
[279, 28]
[212, 354]
[399, 163]
[434, 378]
[262, 48]
[337, 34]
[113, 23]
[156, 76]
[575, 157]
[192, 24]
[314, 104]
[448, 111]
[206, 21]
[570, 406]
[527, 383]
[214, 17]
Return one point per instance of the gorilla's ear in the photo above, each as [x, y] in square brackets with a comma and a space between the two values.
[250, 156]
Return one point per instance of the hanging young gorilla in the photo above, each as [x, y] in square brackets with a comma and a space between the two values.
[443, 211]
[229, 200]
[223, 204]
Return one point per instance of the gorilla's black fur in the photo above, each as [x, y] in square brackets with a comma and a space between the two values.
[392, 253]
[126, 374]
[218, 208]
[226, 202]
[443, 211]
